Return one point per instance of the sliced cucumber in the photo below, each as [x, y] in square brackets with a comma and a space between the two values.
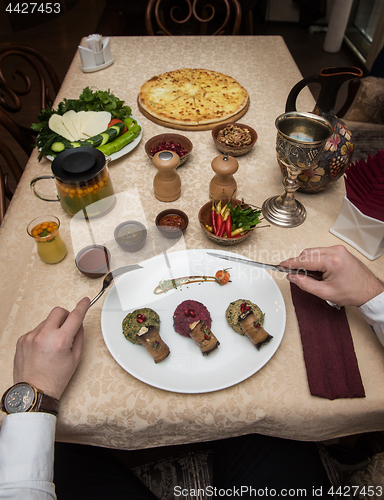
[98, 140]
[58, 147]
[105, 139]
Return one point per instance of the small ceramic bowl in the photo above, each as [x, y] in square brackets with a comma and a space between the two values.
[166, 217]
[130, 235]
[93, 261]
[233, 150]
[205, 219]
[176, 138]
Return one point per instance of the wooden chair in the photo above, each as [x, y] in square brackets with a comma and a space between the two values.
[3, 207]
[24, 72]
[192, 17]
[8, 165]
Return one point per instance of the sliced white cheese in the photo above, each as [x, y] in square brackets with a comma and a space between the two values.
[68, 122]
[80, 115]
[75, 117]
[79, 126]
[94, 122]
[55, 123]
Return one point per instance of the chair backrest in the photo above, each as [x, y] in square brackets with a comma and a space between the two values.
[193, 17]
[8, 165]
[24, 72]
[2, 196]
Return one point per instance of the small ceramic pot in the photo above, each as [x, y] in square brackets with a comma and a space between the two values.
[131, 235]
[93, 261]
[172, 228]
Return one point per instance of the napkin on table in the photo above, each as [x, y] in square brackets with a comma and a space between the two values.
[329, 355]
[94, 42]
[364, 185]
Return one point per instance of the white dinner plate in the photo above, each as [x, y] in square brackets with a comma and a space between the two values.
[127, 149]
[186, 370]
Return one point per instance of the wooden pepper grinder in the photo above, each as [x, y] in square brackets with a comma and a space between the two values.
[223, 184]
[166, 183]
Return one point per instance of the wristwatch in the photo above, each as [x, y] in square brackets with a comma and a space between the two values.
[24, 397]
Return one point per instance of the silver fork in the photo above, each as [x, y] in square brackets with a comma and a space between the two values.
[111, 276]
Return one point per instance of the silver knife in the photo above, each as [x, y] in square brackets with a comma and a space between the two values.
[317, 275]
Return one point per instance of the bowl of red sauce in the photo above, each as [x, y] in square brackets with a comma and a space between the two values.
[93, 261]
[172, 222]
[176, 143]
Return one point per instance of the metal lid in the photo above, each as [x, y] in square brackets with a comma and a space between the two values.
[165, 155]
[78, 164]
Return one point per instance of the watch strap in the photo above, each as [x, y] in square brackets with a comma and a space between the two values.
[46, 404]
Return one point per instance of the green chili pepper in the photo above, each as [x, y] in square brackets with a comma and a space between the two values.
[120, 142]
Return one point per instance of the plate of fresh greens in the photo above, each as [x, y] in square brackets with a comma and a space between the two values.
[96, 119]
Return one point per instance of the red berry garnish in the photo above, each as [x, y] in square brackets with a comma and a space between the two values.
[141, 318]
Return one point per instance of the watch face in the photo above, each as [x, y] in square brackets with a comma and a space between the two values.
[19, 399]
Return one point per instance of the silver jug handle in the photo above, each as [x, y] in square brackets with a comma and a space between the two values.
[33, 183]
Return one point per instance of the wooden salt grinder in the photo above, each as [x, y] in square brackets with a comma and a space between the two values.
[166, 183]
[223, 184]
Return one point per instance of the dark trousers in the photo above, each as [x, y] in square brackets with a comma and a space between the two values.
[244, 466]
[90, 473]
[257, 466]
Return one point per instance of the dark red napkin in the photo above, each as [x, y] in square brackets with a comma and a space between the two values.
[364, 185]
[329, 355]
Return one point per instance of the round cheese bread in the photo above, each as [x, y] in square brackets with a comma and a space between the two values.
[192, 97]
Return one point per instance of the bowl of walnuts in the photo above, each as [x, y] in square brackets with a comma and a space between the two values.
[234, 139]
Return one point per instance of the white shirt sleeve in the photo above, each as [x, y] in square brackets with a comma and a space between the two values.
[373, 312]
[26, 456]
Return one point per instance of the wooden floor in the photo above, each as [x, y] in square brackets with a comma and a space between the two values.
[58, 41]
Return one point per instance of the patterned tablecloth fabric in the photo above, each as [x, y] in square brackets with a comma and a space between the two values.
[103, 404]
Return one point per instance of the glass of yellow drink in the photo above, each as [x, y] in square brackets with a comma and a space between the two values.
[45, 231]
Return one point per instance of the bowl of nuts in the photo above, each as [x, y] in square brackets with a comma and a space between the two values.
[234, 139]
[176, 143]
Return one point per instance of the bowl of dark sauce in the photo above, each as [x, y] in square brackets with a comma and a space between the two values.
[93, 261]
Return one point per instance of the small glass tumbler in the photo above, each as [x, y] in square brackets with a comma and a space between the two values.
[45, 231]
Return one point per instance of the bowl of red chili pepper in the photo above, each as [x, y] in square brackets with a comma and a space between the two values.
[172, 223]
[228, 222]
[176, 143]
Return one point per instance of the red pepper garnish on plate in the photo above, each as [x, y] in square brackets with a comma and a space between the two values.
[244, 307]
